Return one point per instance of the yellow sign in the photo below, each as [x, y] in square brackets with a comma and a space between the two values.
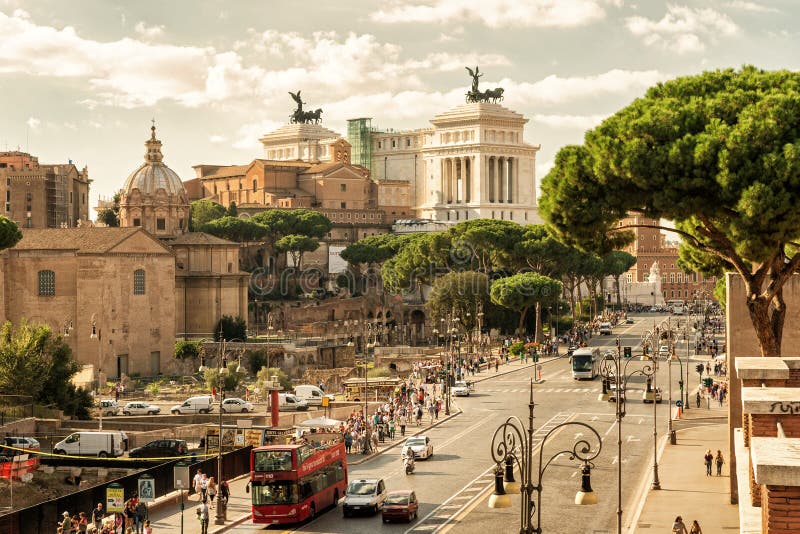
[326, 402]
[115, 498]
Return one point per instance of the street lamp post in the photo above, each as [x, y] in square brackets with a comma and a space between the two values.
[512, 444]
[614, 369]
[96, 335]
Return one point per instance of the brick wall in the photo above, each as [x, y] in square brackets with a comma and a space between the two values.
[765, 425]
[780, 509]
[755, 489]
[794, 378]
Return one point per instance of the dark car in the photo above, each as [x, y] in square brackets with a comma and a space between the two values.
[160, 448]
[401, 505]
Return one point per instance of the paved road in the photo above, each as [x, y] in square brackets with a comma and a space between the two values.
[453, 485]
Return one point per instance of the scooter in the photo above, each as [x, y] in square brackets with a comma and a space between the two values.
[408, 464]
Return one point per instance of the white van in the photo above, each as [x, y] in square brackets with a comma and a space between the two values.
[290, 403]
[203, 404]
[100, 444]
[312, 395]
[605, 329]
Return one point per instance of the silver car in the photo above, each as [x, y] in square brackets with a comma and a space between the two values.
[234, 405]
[421, 445]
[364, 495]
[461, 389]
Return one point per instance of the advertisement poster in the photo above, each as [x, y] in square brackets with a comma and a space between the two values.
[115, 498]
[147, 489]
[252, 437]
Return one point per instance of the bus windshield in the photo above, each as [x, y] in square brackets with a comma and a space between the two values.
[272, 460]
[275, 492]
[582, 363]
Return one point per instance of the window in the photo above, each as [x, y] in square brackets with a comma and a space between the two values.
[255, 184]
[343, 187]
[161, 224]
[240, 186]
[343, 205]
[408, 142]
[679, 278]
[394, 143]
[47, 283]
[70, 197]
[28, 196]
[83, 198]
[137, 222]
[671, 278]
[138, 282]
[8, 207]
[8, 196]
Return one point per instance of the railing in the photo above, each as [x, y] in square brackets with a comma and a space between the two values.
[42, 518]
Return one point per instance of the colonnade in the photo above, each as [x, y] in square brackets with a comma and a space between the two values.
[499, 179]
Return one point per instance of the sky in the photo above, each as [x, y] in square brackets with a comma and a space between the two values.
[81, 80]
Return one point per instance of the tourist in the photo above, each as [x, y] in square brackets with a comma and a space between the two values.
[708, 458]
[678, 527]
[719, 460]
[695, 528]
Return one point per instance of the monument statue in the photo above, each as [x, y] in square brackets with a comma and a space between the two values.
[304, 117]
[655, 273]
[475, 95]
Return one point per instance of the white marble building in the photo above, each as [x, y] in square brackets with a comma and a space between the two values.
[473, 163]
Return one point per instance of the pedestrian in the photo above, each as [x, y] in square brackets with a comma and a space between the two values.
[97, 517]
[204, 488]
[708, 458]
[202, 515]
[678, 527]
[83, 522]
[496, 364]
[695, 528]
[697, 398]
[391, 428]
[348, 442]
[224, 491]
[719, 460]
[211, 490]
[198, 484]
[129, 512]
[141, 516]
[147, 528]
[66, 523]
[402, 421]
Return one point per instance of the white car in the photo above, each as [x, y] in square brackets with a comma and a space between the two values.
[140, 408]
[421, 445]
[460, 389]
[234, 405]
[663, 350]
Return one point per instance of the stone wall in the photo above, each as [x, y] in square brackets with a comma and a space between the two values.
[742, 341]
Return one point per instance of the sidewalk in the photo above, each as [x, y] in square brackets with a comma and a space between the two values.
[685, 488]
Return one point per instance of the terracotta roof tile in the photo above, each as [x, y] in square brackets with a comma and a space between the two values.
[200, 238]
[83, 240]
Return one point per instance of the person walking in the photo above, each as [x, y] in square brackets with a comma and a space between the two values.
[198, 484]
[211, 490]
[202, 515]
[697, 399]
[147, 528]
[695, 528]
[708, 458]
[678, 527]
[204, 488]
[719, 460]
[403, 421]
[66, 523]
[141, 516]
[224, 491]
[348, 441]
[97, 517]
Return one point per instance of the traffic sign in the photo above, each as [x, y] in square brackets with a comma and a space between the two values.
[679, 404]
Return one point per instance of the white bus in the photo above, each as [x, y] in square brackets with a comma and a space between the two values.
[585, 363]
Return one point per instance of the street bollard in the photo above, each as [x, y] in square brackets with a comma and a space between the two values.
[673, 437]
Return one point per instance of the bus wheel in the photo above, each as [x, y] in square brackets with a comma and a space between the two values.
[312, 511]
[335, 498]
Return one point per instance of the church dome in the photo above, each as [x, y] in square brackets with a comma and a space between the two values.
[153, 174]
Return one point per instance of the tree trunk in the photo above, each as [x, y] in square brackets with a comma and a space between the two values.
[538, 335]
[768, 316]
[521, 325]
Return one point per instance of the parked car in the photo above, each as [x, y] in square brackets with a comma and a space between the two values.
[364, 495]
[235, 405]
[140, 408]
[647, 396]
[421, 445]
[191, 405]
[612, 393]
[160, 448]
[460, 389]
[401, 504]
[663, 350]
[290, 403]
[29, 444]
[108, 407]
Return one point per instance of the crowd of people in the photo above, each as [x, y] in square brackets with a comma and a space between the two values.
[132, 520]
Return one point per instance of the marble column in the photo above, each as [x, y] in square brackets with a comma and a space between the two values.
[510, 180]
[501, 178]
[468, 180]
[490, 178]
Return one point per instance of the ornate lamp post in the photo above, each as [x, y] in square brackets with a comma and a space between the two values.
[512, 444]
[615, 371]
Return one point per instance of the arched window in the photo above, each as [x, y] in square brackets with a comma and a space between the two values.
[138, 282]
[47, 283]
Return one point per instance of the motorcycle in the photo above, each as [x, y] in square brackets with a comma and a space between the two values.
[408, 464]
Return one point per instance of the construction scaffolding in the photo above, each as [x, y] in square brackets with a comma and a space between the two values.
[358, 135]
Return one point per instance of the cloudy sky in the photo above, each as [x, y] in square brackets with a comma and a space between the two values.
[81, 79]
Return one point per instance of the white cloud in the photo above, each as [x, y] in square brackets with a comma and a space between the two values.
[752, 6]
[496, 14]
[247, 136]
[33, 123]
[580, 122]
[557, 90]
[217, 139]
[149, 32]
[682, 29]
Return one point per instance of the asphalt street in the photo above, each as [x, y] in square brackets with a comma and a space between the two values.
[453, 485]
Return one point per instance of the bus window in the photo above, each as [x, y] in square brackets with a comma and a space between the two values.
[273, 460]
[276, 492]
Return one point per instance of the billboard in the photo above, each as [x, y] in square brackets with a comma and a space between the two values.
[335, 262]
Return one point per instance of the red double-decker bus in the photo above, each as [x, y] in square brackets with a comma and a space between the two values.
[291, 483]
